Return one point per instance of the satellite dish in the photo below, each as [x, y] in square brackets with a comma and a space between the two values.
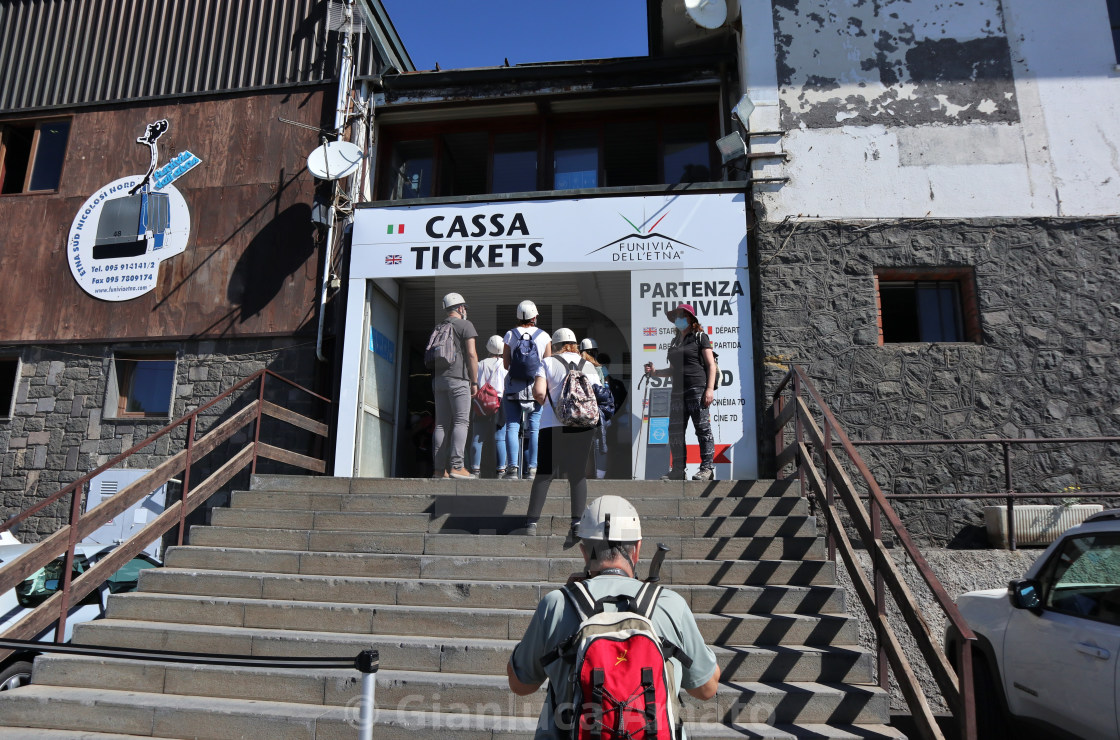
[710, 14]
[334, 160]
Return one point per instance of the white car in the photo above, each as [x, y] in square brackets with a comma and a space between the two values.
[1049, 643]
[15, 671]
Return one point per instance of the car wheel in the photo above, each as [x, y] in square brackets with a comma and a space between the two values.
[991, 718]
[16, 675]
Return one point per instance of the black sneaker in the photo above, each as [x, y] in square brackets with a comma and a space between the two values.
[674, 475]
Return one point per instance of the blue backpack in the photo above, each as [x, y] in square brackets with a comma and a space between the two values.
[524, 359]
[605, 399]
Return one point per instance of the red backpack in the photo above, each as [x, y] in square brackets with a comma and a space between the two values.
[622, 677]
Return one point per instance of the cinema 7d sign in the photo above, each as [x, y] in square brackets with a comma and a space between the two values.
[128, 227]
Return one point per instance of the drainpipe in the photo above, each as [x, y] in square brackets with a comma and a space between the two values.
[344, 74]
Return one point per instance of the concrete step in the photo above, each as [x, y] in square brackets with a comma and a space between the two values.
[429, 691]
[38, 733]
[652, 526]
[210, 718]
[473, 594]
[449, 653]
[726, 628]
[478, 567]
[689, 548]
[512, 505]
[559, 488]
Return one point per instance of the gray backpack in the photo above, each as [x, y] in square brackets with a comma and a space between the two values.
[577, 406]
[441, 351]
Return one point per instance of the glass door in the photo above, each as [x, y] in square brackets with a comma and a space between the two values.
[379, 391]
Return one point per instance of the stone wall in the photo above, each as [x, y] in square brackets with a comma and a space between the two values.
[57, 432]
[1048, 295]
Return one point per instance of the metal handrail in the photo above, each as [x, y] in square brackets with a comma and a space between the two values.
[1009, 493]
[811, 441]
[81, 525]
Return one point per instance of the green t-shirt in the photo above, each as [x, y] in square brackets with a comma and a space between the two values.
[556, 620]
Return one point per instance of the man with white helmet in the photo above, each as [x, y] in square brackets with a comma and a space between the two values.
[526, 346]
[610, 536]
[453, 386]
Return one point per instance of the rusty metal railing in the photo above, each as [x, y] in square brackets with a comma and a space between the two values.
[1009, 494]
[824, 477]
[80, 526]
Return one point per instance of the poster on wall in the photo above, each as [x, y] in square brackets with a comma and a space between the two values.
[722, 301]
[125, 230]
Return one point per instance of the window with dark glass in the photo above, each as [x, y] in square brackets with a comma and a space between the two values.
[630, 154]
[462, 163]
[9, 374]
[33, 153]
[687, 153]
[411, 171]
[1114, 21]
[144, 385]
[514, 163]
[927, 307]
[575, 159]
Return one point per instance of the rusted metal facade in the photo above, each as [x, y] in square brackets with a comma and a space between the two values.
[66, 53]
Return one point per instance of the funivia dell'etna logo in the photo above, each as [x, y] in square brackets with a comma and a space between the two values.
[645, 244]
[128, 227]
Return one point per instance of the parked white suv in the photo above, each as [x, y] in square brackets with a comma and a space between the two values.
[1049, 644]
[15, 671]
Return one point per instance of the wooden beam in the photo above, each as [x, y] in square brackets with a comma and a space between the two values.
[299, 420]
[292, 458]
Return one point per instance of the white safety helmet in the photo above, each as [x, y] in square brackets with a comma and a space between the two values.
[494, 345]
[610, 519]
[451, 300]
[563, 336]
[588, 344]
[527, 310]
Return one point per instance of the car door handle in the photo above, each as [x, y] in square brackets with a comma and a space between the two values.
[1093, 650]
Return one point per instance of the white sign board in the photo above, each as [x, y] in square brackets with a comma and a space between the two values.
[722, 301]
[543, 236]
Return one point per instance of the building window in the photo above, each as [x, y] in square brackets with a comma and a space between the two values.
[32, 154]
[9, 376]
[575, 159]
[1114, 21]
[144, 385]
[927, 305]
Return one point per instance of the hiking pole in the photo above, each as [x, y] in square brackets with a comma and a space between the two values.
[368, 661]
[658, 559]
[641, 426]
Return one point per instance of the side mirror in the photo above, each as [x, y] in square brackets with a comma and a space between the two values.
[1025, 594]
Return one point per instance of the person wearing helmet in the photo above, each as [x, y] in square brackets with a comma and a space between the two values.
[561, 448]
[518, 401]
[453, 388]
[589, 350]
[692, 366]
[490, 371]
[610, 540]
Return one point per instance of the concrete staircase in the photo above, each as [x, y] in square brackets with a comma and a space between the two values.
[424, 571]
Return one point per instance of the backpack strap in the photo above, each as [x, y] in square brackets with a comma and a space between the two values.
[581, 598]
[645, 601]
[650, 701]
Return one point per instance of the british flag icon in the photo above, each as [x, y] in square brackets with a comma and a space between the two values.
[392, 259]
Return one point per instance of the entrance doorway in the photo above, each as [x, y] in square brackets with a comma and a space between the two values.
[591, 304]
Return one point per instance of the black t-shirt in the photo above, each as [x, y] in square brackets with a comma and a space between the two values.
[464, 330]
[685, 361]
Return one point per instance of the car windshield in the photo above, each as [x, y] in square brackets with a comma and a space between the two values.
[41, 585]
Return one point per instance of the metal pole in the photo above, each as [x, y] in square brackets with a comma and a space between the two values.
[829, 490]
[1011, 544]
[185, 489]
[368, 662]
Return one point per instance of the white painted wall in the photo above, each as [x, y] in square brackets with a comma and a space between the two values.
[1061, 159]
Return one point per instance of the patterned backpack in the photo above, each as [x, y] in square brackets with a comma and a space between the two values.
[577, 406]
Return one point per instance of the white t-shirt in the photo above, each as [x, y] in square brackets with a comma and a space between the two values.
[492, 371]
[513, 336]
[554, 371]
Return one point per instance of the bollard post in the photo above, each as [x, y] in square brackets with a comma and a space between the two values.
[368, 661]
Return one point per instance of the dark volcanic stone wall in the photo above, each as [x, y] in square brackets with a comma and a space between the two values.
[56, 433]
[1046, 366]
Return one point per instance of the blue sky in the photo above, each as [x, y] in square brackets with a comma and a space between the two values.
[482, 33]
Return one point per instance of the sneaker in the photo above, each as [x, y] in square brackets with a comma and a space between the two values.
[705, 474]
[673, 475]
[573, 533]
[511, 473]
[531, 529]
[461, 474]
[531, 474]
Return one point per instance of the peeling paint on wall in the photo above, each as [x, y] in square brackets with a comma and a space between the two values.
[893, 62]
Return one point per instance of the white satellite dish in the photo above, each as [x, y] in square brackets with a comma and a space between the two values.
[334, 160]
[710, 14]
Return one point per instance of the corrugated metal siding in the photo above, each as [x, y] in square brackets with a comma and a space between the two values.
[72, 52]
